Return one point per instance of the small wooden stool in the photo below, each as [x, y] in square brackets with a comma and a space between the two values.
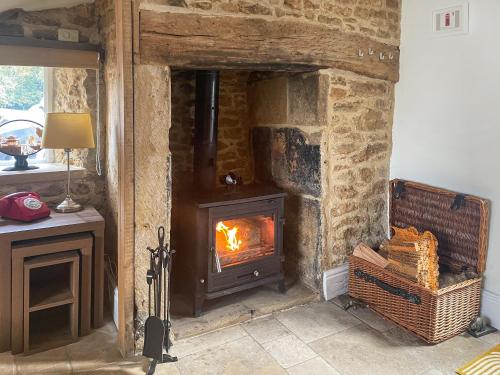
[22, 250]
[51, 285]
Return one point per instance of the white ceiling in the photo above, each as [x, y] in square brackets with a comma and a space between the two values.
[39, 4]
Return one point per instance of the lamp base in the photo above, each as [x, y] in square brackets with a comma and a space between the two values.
[68, 205]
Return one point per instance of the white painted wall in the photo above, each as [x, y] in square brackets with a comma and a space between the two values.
[447, 114]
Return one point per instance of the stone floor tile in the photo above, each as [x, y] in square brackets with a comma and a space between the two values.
[446, 356]
[362, 350]
[55, 361]
[94, 351]
[7, 364]
[289, 351]
[434, 371]
[374, 320]
[265, 329]
[492, 338]
[240, 357]
[316, 320]
[312, 367]
[185, 347]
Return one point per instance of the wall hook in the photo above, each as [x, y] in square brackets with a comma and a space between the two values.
[360, 53]
[391, 56]
[382, 56]
[370, 51]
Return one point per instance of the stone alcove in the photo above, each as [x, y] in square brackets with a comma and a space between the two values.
[353, 136]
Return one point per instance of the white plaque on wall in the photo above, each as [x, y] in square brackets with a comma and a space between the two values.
[452, 20]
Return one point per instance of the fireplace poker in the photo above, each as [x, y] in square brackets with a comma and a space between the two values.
[157, 330]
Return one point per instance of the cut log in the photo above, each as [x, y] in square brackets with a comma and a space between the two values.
[414, 255]
[367, 253]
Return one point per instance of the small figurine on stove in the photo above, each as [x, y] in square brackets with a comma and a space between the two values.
[231, 179]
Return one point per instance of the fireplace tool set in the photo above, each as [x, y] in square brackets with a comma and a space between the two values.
[156, 329]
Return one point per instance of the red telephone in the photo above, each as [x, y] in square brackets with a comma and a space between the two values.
[23, 206]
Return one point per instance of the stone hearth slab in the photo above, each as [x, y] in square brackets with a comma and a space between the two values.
[241, 307]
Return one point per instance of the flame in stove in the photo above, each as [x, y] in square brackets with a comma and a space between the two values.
[232, 242]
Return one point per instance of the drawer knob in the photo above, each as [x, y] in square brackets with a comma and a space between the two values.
[256, 273]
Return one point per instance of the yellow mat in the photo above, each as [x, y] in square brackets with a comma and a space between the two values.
[486, 364]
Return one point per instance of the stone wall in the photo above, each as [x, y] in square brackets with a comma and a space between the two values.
[289, 115]
[379, 19]
[325, 138]
[44, 24]
[106, 25]
[234, 146]
[152, 204]
[358, 144]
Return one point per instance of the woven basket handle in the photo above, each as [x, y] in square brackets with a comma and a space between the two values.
[413, 298]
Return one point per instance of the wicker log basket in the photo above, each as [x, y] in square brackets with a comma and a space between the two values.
[460, 223]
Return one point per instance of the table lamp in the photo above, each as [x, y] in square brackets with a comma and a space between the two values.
[68, 131]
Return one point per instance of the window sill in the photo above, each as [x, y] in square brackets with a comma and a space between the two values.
[46, 173]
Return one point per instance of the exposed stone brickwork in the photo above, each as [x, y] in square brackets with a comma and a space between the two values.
[44, 24]
[356, 147]
[233, 148]
[181, 131]
[379, 19]
[331, 154]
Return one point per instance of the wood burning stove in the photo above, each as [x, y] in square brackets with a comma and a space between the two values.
[227, 239]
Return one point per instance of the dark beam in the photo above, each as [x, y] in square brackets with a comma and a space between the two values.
[198, 41]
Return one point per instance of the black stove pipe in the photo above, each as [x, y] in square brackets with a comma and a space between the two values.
[205, 129]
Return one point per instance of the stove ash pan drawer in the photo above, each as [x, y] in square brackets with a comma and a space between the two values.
[244, 274]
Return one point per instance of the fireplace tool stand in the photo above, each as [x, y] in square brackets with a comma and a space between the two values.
[156, 329]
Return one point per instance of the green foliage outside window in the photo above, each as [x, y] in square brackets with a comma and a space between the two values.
[21, 87]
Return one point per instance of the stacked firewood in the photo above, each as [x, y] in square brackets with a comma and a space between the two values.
[413, 255]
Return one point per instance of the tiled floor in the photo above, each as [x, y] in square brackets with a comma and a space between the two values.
[318, 338]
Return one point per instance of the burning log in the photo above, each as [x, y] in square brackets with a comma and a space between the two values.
[413, 255]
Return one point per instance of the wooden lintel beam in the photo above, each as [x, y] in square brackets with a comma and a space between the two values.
[197, 41]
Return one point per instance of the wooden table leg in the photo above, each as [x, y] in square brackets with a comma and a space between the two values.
[98, 289]
[5, 295]
[17, 302]
[86, 292]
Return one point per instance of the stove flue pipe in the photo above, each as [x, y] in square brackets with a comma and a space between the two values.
[205, 129]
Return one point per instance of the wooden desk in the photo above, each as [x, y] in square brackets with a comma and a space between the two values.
[87, 220]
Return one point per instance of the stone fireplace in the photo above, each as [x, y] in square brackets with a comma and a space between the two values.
[306, 105]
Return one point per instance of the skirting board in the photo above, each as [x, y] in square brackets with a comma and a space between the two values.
[490, 307]
[335, 281]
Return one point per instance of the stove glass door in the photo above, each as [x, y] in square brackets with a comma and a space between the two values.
[243, 240]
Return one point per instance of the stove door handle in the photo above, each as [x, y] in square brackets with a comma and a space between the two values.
[217, 260]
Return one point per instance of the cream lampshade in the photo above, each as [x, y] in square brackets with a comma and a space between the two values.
[68, 131]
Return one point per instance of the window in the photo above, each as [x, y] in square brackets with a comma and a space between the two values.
[25, 94]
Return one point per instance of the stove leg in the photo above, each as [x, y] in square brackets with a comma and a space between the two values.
[198, 307]
[281, 287]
